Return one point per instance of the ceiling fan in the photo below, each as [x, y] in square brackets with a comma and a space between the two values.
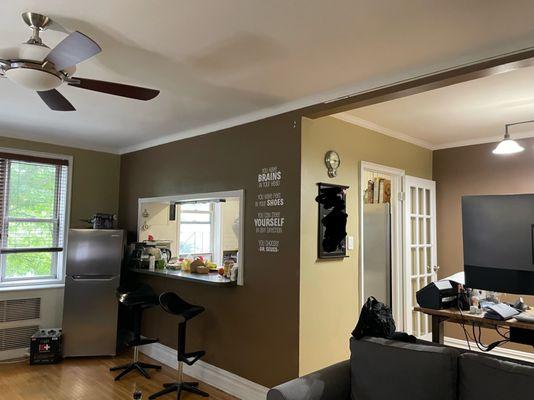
[43, 70]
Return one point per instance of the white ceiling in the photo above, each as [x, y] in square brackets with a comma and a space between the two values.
[223, 62]
[466, 113]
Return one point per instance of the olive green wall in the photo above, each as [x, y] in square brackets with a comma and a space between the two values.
[329, 289]
[95, 178]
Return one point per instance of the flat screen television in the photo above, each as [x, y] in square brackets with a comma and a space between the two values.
[498, 242]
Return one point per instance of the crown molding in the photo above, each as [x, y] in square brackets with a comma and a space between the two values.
[339, 93]
[351, 119]
[57, 142]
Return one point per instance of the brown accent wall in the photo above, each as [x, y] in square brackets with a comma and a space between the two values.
[95, 178]
[252, 331]
[474, 170]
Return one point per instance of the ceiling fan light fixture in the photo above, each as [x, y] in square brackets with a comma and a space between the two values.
[508, 146]
[34, 52]
[34, 79]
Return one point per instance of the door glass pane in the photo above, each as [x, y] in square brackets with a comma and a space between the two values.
[421, 232]
[420, 201]
[428, 231]
[413, 199]
[413, 222]
[427, 202]
[422, 264]
[413, 261]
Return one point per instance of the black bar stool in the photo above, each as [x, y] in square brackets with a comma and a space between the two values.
[137, 300]
[173, 304]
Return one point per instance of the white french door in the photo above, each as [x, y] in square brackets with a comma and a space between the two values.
[420, 255]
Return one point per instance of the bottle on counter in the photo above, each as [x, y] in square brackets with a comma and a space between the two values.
[151, 263]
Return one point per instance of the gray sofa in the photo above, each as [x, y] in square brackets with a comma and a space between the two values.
[381, 369]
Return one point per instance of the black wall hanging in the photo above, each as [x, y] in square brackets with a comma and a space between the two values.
[332, 234]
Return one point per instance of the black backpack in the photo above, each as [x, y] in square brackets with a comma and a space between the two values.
[375, 320]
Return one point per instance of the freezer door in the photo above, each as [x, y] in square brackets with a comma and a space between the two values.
[377, 252]
[95, 252]
[90, 316]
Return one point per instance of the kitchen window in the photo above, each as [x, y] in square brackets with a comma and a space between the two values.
[197, 230]
[33, 204]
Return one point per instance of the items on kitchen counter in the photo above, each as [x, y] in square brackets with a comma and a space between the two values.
[102, 221]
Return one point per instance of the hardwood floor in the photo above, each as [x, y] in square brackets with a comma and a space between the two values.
[87, 379]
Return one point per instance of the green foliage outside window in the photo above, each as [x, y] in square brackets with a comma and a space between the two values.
[32, 193]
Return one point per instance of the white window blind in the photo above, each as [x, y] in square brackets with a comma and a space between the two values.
[33, 193]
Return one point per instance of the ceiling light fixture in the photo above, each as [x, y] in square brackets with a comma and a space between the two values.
[508, 145]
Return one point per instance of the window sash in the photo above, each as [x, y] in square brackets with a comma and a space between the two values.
[211, 221]
[58, 220]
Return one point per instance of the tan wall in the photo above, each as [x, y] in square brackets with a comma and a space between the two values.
[95, 178]
[329, 289]
[474, 170]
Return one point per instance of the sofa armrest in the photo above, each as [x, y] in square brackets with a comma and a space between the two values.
[330, 383]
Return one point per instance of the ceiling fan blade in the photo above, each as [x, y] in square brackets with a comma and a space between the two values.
[72, 50]
[56, 101]
[117, 89]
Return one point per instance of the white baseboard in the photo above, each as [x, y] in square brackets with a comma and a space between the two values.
[498, 351]
[217, 377]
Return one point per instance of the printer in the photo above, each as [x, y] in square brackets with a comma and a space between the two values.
[438, 295]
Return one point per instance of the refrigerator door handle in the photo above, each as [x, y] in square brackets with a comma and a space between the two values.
[94, 278]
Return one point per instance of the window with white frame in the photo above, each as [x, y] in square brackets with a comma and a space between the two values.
[197, 230]
[33, 202]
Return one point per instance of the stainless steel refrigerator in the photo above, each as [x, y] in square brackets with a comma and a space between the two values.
[377, 252]
[90, 309]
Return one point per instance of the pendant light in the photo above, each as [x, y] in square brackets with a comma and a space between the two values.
[508, 145]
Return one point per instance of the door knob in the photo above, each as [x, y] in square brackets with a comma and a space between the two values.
[436, 268]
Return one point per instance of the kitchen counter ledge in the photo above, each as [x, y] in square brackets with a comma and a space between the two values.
[207, 279]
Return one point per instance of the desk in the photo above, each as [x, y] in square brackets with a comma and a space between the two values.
[453, 315]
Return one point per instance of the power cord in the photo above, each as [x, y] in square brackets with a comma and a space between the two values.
[467, 338]
[483, 347]
[478, 341]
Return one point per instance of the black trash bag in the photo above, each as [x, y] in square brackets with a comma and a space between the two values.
[375, 320]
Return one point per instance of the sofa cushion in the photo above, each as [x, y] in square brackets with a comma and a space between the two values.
[483, 377]
[384, 369]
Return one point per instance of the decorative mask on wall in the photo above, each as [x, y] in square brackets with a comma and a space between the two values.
[332, 161]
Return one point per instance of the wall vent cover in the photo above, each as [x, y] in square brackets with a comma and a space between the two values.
[20, 309]
[16, 338]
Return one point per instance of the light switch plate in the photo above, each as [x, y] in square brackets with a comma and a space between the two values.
[350, 242]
